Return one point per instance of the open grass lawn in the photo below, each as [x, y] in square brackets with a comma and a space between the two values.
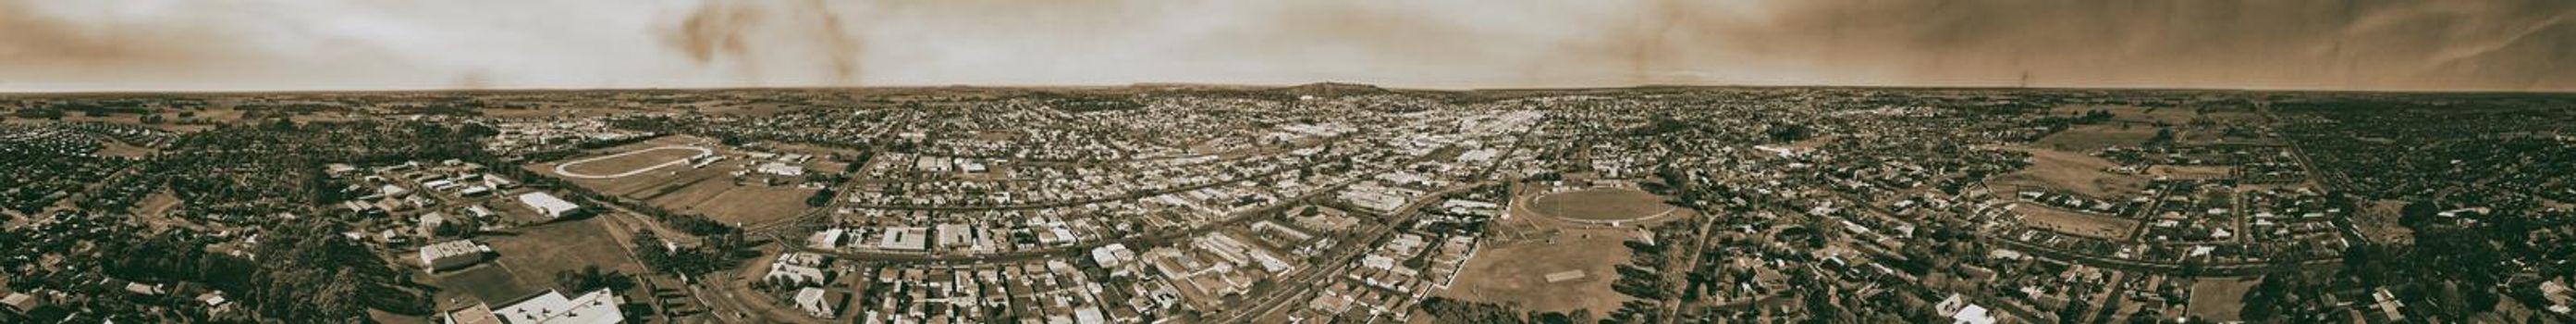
[2075, 223]
[485, 283]
[721, 199]
[710, 191]
[2220, 299]
[1515, 272]
[533, 254]
[640, 181]
[2078, 173]
[2086, 138]
[1601, 204]
[659, 182]
[647, 158]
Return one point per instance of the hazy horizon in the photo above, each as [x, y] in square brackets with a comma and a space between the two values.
[260, 45]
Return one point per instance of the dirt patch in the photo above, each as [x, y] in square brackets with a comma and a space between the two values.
[2075, 223]
[2075, 173]
[2220, 299]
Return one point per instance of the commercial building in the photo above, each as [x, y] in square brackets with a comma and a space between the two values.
[551, 307]
[451, 255]
[550, 206]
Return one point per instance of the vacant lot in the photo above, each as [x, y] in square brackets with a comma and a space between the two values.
[2219, 299]
[2077, 173]
[2377, 221]
[630, 162]
[2075, 223]
[1602, 204]
[1515, 272]
[2087, 138]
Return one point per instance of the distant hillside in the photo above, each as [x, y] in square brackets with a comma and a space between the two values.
[1334, 89]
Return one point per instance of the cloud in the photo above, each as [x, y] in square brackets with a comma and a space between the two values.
[277, 44]
[754, 34]
[2286, 44]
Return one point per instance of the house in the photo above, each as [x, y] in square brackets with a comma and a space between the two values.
[21, 302]
[452, 255]
[820, 303]
[1113, 256]
[798, 267]
[954, 236]
[429, 224]
[826, 239]
[475, 191]
[1960, 311]
[550, 206]
[499, 181]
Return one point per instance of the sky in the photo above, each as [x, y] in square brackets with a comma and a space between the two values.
[252, 45]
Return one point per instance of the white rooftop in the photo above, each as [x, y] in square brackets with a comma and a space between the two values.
[547, 203]
[553, 308]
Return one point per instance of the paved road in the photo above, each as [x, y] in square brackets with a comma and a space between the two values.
[1069, 203]
[1063, 251]
[1337, 261]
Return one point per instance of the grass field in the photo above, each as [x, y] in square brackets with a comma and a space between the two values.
[1514, 272]
[630, 161]
[1601, 204]
[528, 259]
[484, 283]
[2075, 223]
[709, 190]
[2220, 299]
[2135, 114]
[539, 251]
[2072, 172]
[2190, 171]
[2086, 138]
[721, 199]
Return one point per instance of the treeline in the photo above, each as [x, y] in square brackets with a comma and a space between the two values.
[725, 245]
[577, 149]
[299, 273]
[719, 252]
[1448, 311]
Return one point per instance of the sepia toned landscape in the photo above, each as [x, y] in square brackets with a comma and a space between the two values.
[1310, 161]
[1319, 202]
